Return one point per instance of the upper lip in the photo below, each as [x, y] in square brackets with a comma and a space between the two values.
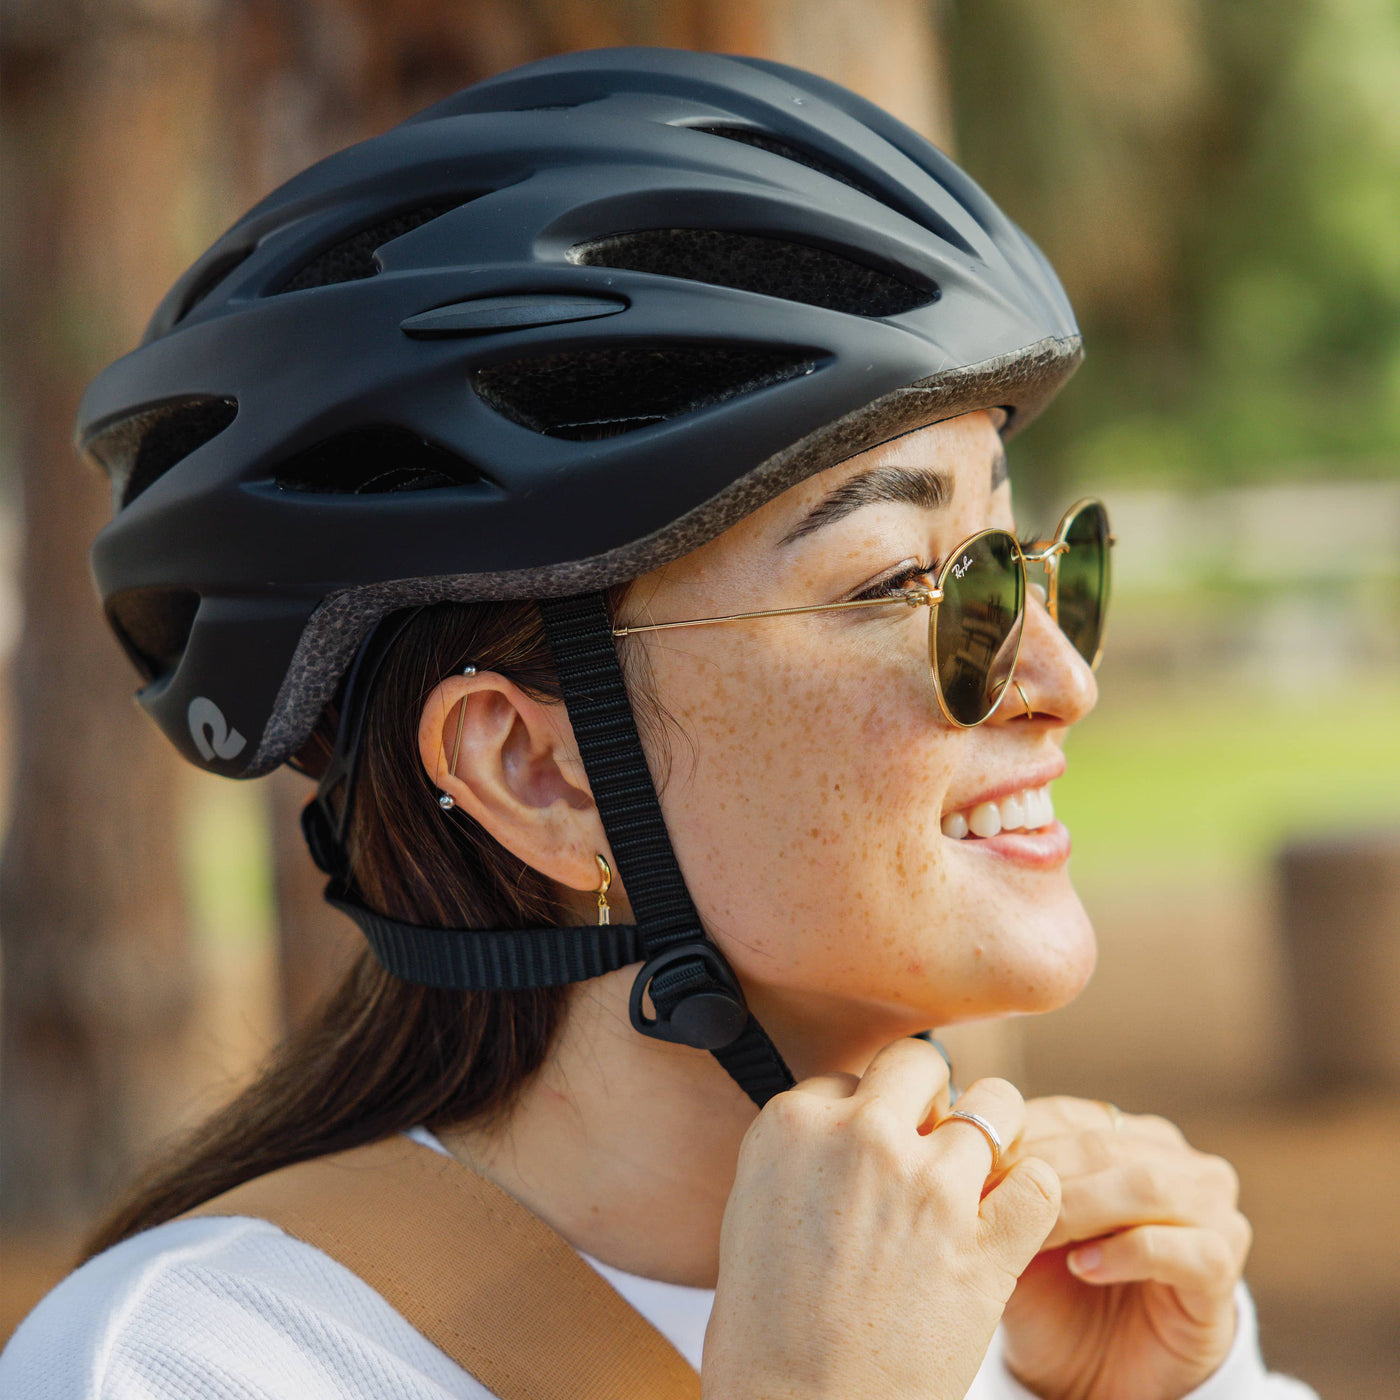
[1047, 772]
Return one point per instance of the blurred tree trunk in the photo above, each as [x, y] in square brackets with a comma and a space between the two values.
[97, 974]
[314, 78]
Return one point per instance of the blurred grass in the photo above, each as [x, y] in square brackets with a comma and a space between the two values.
[1202, 788]
[228, 864]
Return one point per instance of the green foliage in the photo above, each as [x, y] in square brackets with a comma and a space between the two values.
[1219, 186]
[1204, 786]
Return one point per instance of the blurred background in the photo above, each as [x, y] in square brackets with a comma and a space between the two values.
[1218, 185]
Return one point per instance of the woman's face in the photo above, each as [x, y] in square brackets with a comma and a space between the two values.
[807, 799]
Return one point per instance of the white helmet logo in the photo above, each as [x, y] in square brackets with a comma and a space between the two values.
[210, 731]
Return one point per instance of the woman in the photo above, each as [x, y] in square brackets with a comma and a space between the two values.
[705, 365]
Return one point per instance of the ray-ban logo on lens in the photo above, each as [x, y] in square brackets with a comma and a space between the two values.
[210, 731]
[962, 566]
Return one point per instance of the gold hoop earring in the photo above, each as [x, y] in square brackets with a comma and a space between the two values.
[605, 874]
[445, 801]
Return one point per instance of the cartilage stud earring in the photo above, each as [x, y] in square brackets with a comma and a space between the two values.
[446, 801]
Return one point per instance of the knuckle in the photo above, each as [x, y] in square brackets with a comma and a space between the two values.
[789, 1114]
[1146, 1182]
[1220, 1260]
[1224, 1176]
[1100, 1150]
[1003, 1089]
[926, 1055]
[1041, 1184]
[1150, 1246]
[1242, 1233]
[1163, 1127]
[871, 1127]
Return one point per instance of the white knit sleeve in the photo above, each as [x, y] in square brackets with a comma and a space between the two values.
[222, 1309]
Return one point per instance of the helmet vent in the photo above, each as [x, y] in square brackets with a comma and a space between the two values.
[210, 278]
[140, 449]
[751, 136]
[588, 394]
[371, 460]
[353, 258]
[153, 625]
[770, 266]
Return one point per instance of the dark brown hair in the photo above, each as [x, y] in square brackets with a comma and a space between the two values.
[380, 1055]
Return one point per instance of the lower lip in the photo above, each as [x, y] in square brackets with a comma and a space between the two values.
[1038, 850]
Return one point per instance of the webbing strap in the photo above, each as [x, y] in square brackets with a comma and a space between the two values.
[490, 959]
[476, 1273]
[580, 640]
[579, 632]
[697, 999]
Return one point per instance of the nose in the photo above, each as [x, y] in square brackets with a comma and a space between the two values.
[1057, 682]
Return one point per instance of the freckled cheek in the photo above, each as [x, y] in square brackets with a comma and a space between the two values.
[809, 787]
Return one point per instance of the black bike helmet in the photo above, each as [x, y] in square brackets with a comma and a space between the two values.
[543, 337]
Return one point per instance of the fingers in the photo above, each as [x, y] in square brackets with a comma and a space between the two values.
[835, 1085]
[1110, 1183]
[1059, 1114]
[1202, 1265]
[910, 1078]
[1018, 1213]
[964, 1145]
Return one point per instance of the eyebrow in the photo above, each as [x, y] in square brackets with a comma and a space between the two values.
[929, 489]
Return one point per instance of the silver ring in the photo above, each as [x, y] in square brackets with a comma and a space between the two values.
[983, 1127]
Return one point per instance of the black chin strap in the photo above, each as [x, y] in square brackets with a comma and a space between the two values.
[696, 998]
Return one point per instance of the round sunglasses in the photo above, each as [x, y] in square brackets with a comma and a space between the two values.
[977, 607]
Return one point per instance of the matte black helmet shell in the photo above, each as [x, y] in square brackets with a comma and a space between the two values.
[546, 335]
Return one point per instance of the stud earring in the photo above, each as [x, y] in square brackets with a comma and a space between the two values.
[605, 873]
[445, 800]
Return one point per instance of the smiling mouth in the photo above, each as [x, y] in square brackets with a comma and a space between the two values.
[1029, 810]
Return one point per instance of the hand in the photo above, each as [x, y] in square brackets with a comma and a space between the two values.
[858, 1257]
[1147, 1311]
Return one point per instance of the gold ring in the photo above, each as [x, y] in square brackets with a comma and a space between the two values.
[983, 1127]
[1024, 701]
[1115, 1114]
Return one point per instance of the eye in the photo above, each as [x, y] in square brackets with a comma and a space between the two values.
[898, 582]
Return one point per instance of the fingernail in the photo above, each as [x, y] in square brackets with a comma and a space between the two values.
[1086, 1260]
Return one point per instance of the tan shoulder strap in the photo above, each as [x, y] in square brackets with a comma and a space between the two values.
[482, 1278]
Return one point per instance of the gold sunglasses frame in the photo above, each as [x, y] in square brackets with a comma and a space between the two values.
[914, 598]
[1047, 555]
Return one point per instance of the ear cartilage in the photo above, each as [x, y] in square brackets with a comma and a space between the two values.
[445, 801]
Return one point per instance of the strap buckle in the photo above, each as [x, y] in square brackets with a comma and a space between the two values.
[709, 1017]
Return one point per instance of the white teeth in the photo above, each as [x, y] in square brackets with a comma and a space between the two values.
[1030, 810]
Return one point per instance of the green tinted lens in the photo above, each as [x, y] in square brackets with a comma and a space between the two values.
[977, 628]
[1083, 580]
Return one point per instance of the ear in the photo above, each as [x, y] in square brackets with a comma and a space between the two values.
[518, 773]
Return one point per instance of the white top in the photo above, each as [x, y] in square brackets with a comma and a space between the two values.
[230, 1308]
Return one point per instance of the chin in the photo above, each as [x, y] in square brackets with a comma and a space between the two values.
[1048, 961]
